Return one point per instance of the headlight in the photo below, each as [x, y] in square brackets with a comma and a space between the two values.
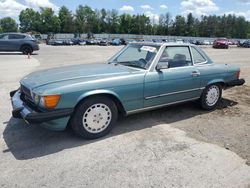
[36, 98]
[49, 101]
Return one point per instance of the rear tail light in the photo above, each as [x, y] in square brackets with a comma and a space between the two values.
[238, 74]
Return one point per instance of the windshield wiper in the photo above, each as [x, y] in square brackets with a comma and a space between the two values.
[131, 65]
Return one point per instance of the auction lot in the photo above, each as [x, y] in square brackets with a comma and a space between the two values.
[178, 146]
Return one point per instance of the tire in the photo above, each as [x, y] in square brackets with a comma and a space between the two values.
[94, 117]
[26, 49]
[211, 97]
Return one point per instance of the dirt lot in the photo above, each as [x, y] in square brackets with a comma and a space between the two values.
[179, 146]
[229, 125]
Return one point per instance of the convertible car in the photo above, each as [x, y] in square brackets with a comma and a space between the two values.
[142, 76]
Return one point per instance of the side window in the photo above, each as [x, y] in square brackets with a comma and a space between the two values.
[178, 56]
[3, 37]
[198, 58]
[16, 36]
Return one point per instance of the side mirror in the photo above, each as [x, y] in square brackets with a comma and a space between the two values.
[161, 66]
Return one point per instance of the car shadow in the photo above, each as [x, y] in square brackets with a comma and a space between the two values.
[15, 53]
[31, 141]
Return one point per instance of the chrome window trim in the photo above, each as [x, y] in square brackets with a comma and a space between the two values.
[174, 68]
[159, 106]
[204, 64]
[156, 59]
[173, 93]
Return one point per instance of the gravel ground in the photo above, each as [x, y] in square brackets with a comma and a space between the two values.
[179, 146]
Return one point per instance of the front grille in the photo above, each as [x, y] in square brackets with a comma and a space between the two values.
[27, 98]
[26, 93]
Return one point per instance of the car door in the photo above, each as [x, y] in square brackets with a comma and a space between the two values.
[179, 82]
[4, 42]
[14, 41]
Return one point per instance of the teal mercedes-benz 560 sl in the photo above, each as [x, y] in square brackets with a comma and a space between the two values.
[142, 76]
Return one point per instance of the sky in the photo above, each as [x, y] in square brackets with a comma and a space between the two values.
[152, 8]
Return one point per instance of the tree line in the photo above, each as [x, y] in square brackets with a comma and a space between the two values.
[87, 20]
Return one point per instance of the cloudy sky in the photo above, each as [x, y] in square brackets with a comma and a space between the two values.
[148, 7]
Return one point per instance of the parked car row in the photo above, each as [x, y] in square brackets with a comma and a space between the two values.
[244, 44]
[26, 44]
[201, 42]
[218, 43]
[78, 41]
[118, 41]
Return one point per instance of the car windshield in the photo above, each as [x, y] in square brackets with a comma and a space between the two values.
[137, 55]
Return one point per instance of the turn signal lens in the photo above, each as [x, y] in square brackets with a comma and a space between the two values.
[51, 101]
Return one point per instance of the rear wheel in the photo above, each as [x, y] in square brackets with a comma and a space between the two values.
[211, 97]
[26, 49]
[94, 117]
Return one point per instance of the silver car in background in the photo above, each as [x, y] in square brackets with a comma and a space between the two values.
[12, 42]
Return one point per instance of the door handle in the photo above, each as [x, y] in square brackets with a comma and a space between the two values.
[195, 73]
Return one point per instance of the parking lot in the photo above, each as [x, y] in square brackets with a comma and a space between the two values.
[178, 146]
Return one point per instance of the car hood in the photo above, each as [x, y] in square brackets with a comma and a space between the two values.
[88, 71]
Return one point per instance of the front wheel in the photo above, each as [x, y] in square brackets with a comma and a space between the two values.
[94, 117]
[26, 50]
[211, 97]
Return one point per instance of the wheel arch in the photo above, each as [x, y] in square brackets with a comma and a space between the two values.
[25, 44]
[217, 81]
[110, 94]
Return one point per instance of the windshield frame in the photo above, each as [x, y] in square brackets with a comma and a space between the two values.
[149, 64]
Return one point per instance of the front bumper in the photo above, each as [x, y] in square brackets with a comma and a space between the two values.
[30, 115]
[220, 45]
[237, 82]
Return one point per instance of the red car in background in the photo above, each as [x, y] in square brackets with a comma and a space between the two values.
[221, 43]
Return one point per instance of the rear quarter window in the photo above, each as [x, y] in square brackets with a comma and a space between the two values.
[197, 56]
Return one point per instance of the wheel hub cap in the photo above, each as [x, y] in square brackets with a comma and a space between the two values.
[212, 95]
[97, 118]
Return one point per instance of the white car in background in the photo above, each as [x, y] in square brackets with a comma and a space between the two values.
[206, 42]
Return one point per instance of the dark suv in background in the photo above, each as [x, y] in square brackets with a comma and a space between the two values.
[12, 42]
